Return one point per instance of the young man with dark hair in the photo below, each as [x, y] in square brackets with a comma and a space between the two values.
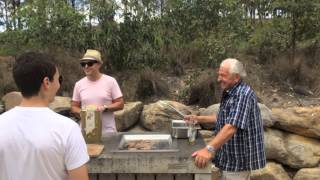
[35, 142]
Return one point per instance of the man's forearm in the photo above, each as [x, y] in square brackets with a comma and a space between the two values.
[223, 136]
[206, 119]
[75, 111]
[116, 105]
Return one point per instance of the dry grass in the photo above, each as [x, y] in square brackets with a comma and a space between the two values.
[151, 84]
[70, 70]
[302, 72]
[6, 80]
[204, 90]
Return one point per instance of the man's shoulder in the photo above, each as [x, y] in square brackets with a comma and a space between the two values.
[8, 114]
[109, 78]
[82, 80]
[64, 120]
[48, 118]
[244, 90]
[54, 119]
[4, 116]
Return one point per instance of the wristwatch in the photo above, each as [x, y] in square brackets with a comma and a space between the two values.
[211, 149]
[105, 108]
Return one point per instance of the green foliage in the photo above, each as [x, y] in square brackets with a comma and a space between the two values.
[50, 24]
[270, 40]
[161, 33]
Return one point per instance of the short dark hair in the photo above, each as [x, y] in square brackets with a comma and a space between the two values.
[29, 71]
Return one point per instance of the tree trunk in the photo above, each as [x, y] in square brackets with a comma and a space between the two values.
[294, 34]
[73, 4]
[6, 9]
[13, 2]
[161, 7]
[18, 3]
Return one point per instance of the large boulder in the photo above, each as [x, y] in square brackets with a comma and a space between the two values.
[290, 149]
[206, 135]
[299, 120]
[137, 128]
[308, 174]
[272, 171]
[158, 116]
[266, 115]
[11, 99]
[61, 104]
[213, 109]
[129, 116]
[1, 107]
[275, 145]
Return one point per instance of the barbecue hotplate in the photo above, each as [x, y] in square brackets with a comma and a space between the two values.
[146, 142]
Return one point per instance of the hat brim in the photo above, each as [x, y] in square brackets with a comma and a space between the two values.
[89, 58]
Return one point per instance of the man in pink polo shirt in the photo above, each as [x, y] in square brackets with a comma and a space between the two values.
[97, 89]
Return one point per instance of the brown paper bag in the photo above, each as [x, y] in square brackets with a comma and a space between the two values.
[91, 126]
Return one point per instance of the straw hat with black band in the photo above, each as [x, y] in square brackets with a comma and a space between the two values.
[92, 55]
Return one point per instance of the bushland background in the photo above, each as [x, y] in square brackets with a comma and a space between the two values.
[172, 49]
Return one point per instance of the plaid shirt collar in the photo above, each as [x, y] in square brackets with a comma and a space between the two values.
[232, 90]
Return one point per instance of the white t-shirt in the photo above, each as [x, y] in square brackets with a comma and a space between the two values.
[99, 92]
[39, 144]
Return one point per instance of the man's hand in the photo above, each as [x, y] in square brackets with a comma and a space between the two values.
[102, 108]
[190, 119]
[202, 157]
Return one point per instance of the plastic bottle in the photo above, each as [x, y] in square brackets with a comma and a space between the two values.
[192, 132]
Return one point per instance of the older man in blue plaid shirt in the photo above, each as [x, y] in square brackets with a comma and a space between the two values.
[238, 146]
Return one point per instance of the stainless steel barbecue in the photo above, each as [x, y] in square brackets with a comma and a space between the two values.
[180, 129]
[146, 143]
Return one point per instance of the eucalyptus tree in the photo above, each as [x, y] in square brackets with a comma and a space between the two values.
[8, 14]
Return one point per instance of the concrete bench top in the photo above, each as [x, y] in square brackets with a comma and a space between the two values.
[146, 162]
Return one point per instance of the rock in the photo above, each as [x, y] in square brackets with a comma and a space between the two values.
[272, 171]
[206, 135]
[157, 117]
[275, 100]
[303, 152]
[290, 149]
[6, 58]
[129, 116]
[266, 115]
[61, 104]
[1, 107]
[308, 174]
[137, 129]
[299, 120]
[213, 109]
[11, 99]
[274, 145]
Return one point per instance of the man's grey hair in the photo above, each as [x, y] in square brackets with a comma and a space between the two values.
[235, 67]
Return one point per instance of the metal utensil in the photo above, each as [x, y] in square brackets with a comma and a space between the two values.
[173, 108]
